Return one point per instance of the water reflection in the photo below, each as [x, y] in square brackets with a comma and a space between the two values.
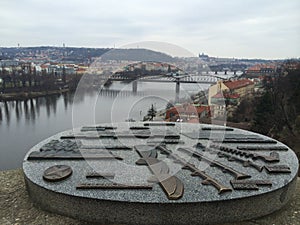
[17, 110]
[25, 123]
[37, 106]
[7, 114]
[32, 108]
[66, 102]
[1, 113]
[27, 115]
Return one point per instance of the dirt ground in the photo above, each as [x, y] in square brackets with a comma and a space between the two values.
[16, 207]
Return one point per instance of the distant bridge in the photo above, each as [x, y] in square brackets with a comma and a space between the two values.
[202, 79]
[192, 79]
[119, 93]
[187, 79]
[161, 73]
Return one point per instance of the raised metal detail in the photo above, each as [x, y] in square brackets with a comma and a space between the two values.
[146, 151]
[72, 155]
[37, 156]
[76, 146]
[89, 136]
[57, 173]
[224, 168]
[217, 136]
[230, 157]
[249, 184]
[272, 158]
[141, 135]
[207, 180]
[121, 135]
[139, 128]
[172, 186]
[65, 145]
[262, 148]
[218, 128]
[159, 124]
[278, 169]
[99, 175]
[246, 140]
[165, 141]
[108, 147]
[97, 128]
[112, 186]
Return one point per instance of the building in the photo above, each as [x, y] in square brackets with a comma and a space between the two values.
[261, 69]
[228, 98]
[228, 93]
[215, 89]
[241, 87]
[191, 113]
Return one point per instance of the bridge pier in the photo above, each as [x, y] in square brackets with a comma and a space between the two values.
[134, 86]
[177, 90]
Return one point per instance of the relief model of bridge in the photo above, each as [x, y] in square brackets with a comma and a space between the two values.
[131, 168]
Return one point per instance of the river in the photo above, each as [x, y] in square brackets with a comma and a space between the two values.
[23, 124]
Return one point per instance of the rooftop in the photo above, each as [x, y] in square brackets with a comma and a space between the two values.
[226, 95]
[236, 84]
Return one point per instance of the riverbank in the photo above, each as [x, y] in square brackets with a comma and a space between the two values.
[16, 207]
[28, 95]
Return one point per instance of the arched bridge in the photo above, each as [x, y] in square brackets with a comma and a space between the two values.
[202, 79]
[161, 73]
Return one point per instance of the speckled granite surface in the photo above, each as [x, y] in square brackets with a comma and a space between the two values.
[16, 207]
[200, 204]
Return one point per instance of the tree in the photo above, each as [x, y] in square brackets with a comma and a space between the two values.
[64, 75]
[277, 110]
[151, 112]
[169, 105]
[264, 114]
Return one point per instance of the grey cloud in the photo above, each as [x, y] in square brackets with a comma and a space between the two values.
[220, 27]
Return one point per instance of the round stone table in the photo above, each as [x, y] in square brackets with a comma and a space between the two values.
[160, 173]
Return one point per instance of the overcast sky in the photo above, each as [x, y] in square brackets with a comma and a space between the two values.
[232, 28]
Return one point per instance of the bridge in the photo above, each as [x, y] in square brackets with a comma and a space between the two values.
[161, 73]
[188, 79]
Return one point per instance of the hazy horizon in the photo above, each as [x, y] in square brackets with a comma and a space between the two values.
[111, 48]
[267, 29]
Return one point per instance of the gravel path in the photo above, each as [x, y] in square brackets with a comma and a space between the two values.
[17, 209]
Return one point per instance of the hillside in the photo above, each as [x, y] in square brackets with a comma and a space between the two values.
[81, 55]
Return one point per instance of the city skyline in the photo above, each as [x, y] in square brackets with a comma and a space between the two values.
[241, 29]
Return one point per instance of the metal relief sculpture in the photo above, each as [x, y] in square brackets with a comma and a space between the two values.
[172, 185]
[207, 180]
[250, 155]
[57, 173]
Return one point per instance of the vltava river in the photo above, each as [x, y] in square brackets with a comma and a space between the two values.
[25, 123]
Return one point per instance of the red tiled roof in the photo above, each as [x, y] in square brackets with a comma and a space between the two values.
[258, 67]
[226, 95]
[254, 68]
[218, 95]
[188, 109]
[238, 83]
